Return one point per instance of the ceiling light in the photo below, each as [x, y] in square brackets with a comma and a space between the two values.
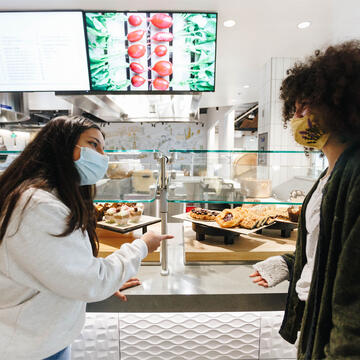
[229, 23]
[246, 86]
[304, 25]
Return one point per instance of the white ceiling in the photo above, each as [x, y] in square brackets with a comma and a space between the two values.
[264, 29]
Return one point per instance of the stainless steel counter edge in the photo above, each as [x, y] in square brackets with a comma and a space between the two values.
[192, 303]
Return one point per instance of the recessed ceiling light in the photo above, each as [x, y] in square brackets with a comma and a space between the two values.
[229, 23]
[304, 25]
[246, 86]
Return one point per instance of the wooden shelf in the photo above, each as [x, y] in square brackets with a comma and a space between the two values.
[252, 247]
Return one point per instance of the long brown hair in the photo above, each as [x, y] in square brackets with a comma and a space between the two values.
[47, 163]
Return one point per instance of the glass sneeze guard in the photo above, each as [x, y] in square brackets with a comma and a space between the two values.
[132, 175]
[243, 176]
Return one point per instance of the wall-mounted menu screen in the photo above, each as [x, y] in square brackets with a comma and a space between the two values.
[151, 51]
[43, 51]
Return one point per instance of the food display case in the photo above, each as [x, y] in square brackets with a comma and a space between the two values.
[238, 177]
[131, 179]
[211, 180]
[265, 188]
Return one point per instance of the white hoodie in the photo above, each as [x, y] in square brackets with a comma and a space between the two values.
[46, 281]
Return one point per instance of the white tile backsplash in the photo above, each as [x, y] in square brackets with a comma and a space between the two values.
[172, 336]
[272, 345]
[99, 338]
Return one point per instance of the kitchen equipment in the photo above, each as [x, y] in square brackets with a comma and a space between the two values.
[143, 179]
[255, 188]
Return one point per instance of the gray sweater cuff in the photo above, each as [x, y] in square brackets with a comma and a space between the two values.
[274, 270]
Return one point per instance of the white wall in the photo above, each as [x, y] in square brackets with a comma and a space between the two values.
[46, 101]
[346, 20]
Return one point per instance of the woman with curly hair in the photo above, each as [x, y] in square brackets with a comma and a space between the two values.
[321, 100]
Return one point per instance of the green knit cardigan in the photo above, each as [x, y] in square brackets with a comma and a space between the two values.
[330, 319]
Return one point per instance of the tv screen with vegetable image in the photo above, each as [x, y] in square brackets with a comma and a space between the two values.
[151, 51]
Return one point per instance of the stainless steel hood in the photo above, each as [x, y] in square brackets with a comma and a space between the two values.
[137, 108]
[12, 109]
[106, 108]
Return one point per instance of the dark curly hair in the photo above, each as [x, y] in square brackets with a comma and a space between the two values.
[330, 83]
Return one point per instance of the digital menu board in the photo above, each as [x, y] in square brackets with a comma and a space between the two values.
[43, 51]
[151, 51]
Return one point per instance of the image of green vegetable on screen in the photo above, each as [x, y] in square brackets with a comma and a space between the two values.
[171, 51]
[107, 51]
[199, 36]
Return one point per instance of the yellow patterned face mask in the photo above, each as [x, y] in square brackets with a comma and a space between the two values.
[307, 132]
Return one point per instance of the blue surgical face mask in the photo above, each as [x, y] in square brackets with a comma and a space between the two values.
[91, 166]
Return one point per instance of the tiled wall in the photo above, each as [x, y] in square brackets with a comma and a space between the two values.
[180, 336]
[270, 117]
[162, 136]
[270, 121]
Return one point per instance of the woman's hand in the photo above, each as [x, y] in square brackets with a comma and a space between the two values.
[130, 283]
[153, 240]
[259, 279]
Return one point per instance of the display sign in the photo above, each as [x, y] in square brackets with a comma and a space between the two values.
[43, 51]
[151, 51]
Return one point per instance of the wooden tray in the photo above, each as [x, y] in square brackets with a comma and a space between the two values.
[111, 241]
[251, 247]
[214, 224]
[143, 223]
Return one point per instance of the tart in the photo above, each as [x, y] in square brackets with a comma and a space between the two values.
[203, 214]
[228, 218]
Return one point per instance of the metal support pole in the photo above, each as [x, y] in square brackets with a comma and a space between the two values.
[163, 215]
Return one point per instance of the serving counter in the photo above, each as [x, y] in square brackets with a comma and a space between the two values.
[197, 288]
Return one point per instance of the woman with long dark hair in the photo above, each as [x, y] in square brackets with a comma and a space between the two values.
[322, 103]
[48, 244]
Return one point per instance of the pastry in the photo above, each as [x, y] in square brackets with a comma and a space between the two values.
[99, 211]
[109, 215]
[203, 214]
[122, 217]
[135, 214]
[228, 218]
[140, 206]
[294, 212]
[125, 207]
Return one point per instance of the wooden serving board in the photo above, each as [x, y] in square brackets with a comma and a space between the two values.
[214, 224]
[111, 241]
[251, 247]
[145, 220]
